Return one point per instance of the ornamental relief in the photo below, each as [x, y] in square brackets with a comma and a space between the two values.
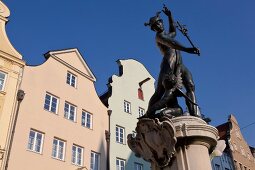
[4, 11]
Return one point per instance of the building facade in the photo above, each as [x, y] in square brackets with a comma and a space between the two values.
[127, 98]
[241, 153]
[61, 121]
[11, 68]
[237, 155]
[223, 162]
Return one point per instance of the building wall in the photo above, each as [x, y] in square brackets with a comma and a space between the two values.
[11, 65]
[125, 88]
[50, 77]
[224, 162]
[241, 153]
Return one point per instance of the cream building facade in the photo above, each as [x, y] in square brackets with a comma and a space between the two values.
[61, 121]
[127, 97]
[11, 67]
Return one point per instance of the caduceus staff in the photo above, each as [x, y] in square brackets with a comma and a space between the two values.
[184, 31]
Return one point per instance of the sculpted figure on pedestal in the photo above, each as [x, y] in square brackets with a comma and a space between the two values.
[173, 73]
[158, 130]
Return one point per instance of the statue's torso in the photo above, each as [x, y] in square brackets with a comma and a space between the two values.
[170, 55]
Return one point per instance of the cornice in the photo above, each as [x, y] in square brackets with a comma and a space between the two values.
[12, 58]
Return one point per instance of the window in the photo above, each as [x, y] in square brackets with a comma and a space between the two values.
[77, 155]
[70, 111]
[138, 166]
[248, 155]
[134, 133]
[51, 103]
[71, 79]
[35, 141]
[2, 80]
[120, 164]
[58, 149]
[120, 133]
[127, 107]
[141, 111]
[94, 161]
[140, 94]
[235, 164]
[86, 119]
[242, 151]
[226, 157]
[235, 146]
[217, 167]
[241, 166]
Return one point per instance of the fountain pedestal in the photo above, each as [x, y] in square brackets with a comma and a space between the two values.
[181, 143]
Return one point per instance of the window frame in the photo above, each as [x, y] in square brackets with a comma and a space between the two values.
[33, 149]
[118, 134]
[94, 160]
[76, 155]
[139, 111]
[57, 149]
[137, 165]
[127, 106]
[118, 164]
[4, 81]
[50, 104]
[240, 166]
[84, 118]
[217, 167]
[69, 81]
[67, 115]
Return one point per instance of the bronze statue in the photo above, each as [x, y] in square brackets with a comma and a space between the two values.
[173, 73]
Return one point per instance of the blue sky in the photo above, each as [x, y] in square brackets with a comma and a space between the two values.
[105, 31]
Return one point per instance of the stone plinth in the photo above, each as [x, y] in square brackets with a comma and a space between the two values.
[195, 140]
[181, 143]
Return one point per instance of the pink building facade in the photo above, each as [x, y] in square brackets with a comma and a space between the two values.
[61, 121]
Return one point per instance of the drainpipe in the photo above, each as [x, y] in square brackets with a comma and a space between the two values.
[107, 137]
[20, 97]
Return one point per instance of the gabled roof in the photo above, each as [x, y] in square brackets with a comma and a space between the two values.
[73, 59]
[124, 63]
[223, 129]
[252, 150]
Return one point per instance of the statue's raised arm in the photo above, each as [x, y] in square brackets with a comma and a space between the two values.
[168, 13]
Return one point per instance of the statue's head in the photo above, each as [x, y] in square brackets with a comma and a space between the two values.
[156, 23]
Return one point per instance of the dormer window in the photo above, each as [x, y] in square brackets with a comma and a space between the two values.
[71, 79]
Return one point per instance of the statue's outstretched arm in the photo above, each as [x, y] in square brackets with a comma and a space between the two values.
[167, 40]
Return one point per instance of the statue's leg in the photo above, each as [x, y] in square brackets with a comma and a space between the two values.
[162, 103]
[190, 91]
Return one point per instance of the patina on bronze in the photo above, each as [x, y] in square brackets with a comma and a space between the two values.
[173, 73]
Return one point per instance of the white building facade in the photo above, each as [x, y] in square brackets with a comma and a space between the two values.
[127, 98]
